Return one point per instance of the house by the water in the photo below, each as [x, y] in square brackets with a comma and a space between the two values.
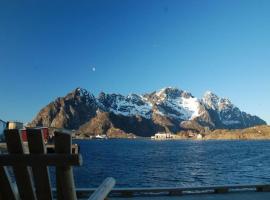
[14, 125]
[163, 136]
[169, 136]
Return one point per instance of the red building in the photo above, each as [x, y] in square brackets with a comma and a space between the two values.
[44, 130]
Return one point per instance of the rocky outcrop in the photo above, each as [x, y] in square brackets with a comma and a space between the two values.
[69, 112]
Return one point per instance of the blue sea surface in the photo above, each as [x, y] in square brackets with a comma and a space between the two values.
[148, 163]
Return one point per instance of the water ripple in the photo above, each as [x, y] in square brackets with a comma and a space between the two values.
[146, 163]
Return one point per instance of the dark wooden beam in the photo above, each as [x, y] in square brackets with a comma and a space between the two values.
[37, 159]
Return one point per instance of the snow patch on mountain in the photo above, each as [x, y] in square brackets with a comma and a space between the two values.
[193, 105]
[177, 104]
[186, 108]
[131, 105]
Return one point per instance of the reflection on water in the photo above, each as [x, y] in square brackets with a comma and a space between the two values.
[146, 163]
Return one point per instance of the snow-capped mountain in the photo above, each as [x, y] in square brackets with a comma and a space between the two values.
[169, 109]
[130, 105]
[227, 113]
[175, 103]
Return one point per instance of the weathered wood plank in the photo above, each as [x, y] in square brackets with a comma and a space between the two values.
[22, 173]
[128, 192]
[164, 189]
[103, 190]
[6, 187]
[64, 174]
[45, 159]
[49, 147]
[40, 170]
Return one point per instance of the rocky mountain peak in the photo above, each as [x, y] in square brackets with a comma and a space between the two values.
[169, 93]
[80, 94]
[225, 103]
[211, 100]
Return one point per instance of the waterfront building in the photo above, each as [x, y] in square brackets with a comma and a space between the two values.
[14, 125]
[163, 136]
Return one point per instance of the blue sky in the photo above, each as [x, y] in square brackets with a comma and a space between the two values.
[48, 48]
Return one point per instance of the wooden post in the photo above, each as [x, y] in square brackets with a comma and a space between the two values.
[21, 172]
[40, 171]
[64, 174]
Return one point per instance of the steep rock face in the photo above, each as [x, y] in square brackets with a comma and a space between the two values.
[169, 109]
[70, 112]
[166, 124]
[98, 125]
[137, 125]
[105, 122]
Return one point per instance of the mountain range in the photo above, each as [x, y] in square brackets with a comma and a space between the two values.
[167, 110]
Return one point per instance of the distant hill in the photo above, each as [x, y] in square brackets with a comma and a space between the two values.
[255, 133]
[169, 109]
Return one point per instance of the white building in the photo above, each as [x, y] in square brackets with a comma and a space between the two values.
[199, 137]
[163, 136]
[14, 125]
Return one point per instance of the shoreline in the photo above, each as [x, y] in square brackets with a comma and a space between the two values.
[174, 139]
[252, 133]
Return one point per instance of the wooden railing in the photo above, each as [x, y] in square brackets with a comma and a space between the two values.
[30, 168]
[163, 191]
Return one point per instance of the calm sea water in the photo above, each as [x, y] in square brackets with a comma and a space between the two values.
[147, 163]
